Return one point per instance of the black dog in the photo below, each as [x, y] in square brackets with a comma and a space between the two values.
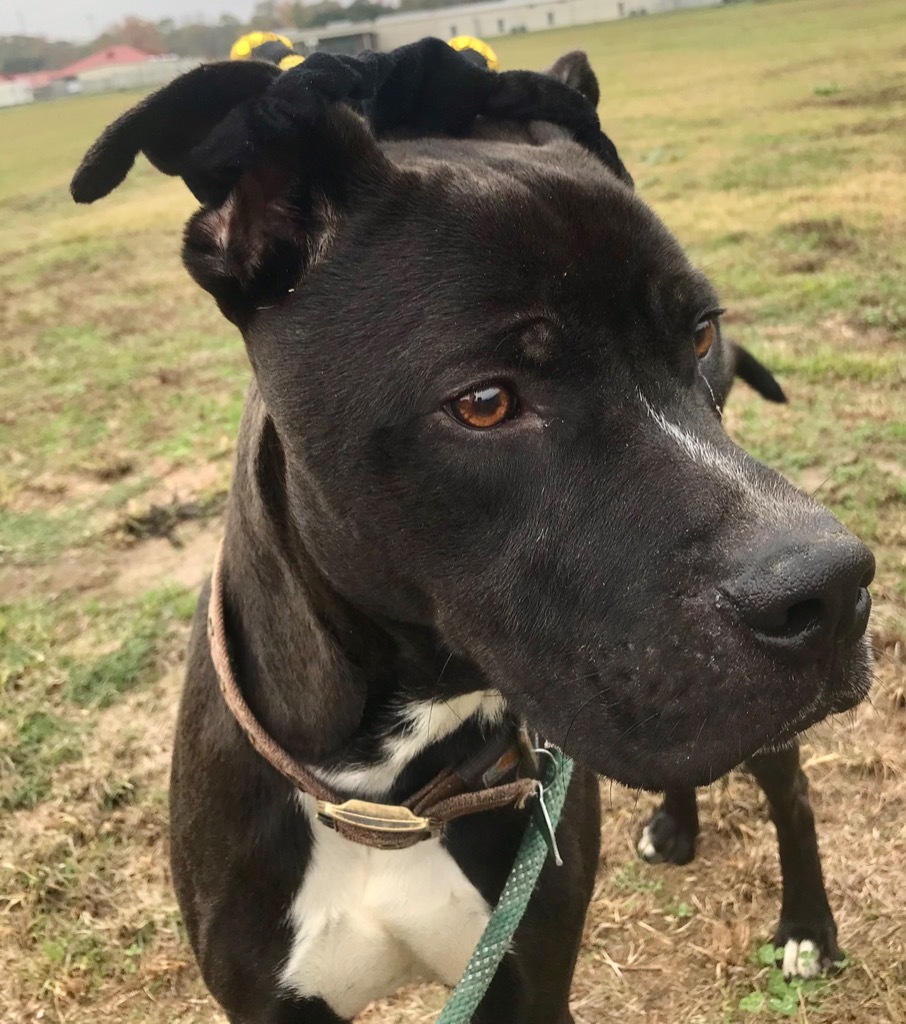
[481, 479]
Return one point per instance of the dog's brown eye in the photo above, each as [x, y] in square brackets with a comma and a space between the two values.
[484, 407]
[705, 335]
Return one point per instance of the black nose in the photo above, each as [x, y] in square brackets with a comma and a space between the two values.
[799, 595]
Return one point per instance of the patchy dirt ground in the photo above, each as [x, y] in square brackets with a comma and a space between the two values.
[769, 137]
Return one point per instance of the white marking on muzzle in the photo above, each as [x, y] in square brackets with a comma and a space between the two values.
[767, 496]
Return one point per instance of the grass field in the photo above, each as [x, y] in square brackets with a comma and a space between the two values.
[772, 138]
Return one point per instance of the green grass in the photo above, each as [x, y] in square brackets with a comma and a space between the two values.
[749, 122]
[137, 633]
[39, 534]
[775, 997]
[42, 742]
[61, 659]
[771, 138]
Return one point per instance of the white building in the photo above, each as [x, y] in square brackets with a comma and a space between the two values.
[13, 93]
[485, 20]
[150, 74]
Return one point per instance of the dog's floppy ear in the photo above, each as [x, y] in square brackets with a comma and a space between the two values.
[272, 159]
[574, 69]
[169, 124]
[755, 374]
[251, 249]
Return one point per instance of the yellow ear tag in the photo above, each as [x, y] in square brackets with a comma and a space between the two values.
[292, 60]
[479, 46]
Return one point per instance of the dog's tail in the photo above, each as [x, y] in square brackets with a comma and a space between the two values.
[756, 375]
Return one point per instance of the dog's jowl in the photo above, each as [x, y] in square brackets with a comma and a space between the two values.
[481, 488]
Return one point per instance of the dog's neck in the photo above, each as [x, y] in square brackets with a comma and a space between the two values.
[377, 707]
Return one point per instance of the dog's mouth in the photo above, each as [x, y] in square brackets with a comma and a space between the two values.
[814, 714]
[692, 731]
[817, 712]
[845, 685]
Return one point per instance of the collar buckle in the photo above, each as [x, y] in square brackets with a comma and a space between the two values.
[370, 817]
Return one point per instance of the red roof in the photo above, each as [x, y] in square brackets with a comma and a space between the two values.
[110, 56]
[35, 79]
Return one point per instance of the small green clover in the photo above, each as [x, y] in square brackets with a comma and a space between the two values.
[754, 1002]
[768, 955]
[777, 985]
[787, 1004]
[780, 996]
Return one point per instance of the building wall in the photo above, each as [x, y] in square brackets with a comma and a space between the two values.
[490, 20]
[678, 5]
[12, 94]
[146, 75]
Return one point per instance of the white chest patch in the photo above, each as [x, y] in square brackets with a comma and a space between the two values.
[369, 921]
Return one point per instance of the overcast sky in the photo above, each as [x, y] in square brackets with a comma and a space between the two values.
[84, 19]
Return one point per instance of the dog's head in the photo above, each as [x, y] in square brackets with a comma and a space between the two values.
[494, 377]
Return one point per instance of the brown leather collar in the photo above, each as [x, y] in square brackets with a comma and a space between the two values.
[479, 784]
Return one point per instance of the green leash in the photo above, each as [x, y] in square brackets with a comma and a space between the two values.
[537, 842]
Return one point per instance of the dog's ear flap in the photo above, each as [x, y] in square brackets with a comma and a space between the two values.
[169, 124]
[251, 249]
[575, 70]
[755, 374]
[270, 157]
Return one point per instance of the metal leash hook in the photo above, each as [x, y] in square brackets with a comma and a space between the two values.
[546, 826]
[550, 836]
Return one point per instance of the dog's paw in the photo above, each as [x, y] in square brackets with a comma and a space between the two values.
[663, 841]
[809, 952]
[801, 960]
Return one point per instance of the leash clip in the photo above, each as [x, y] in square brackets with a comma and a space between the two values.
[545, 825]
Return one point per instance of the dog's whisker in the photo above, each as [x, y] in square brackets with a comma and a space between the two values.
[824, 482]
[638, 725]
[453, 711]
[591, 699]
[443, 669]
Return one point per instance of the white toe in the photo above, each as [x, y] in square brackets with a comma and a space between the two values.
[647, 849]
[801, 959]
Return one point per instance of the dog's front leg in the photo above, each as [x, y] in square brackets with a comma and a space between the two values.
[514, 998]
[508, 999]
[807, 931]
